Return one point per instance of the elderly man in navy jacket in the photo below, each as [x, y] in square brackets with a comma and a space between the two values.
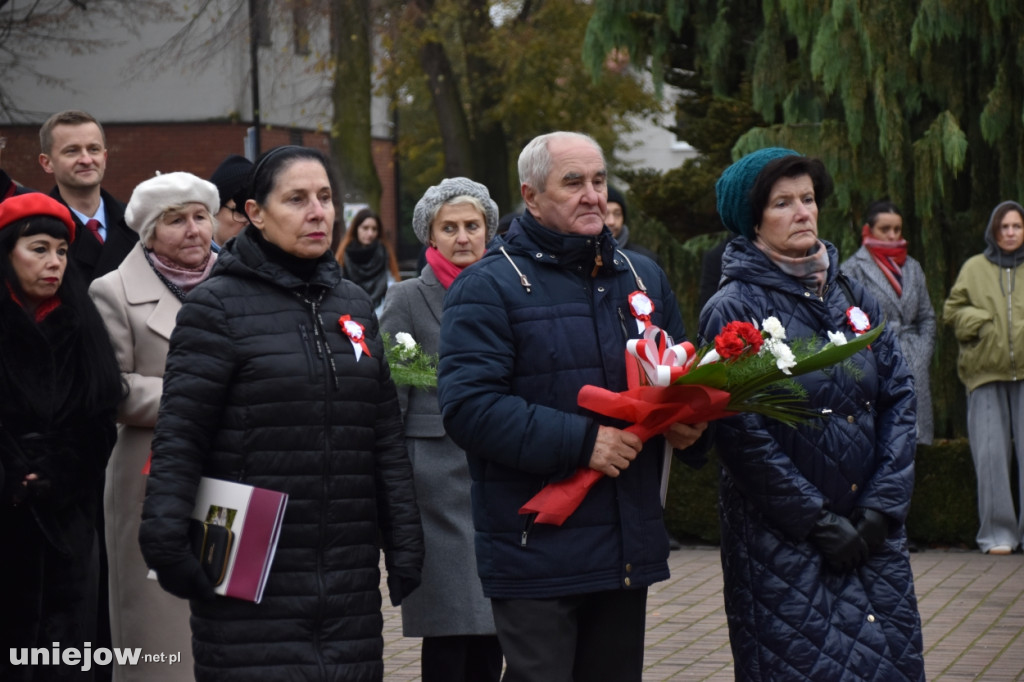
[546, 311]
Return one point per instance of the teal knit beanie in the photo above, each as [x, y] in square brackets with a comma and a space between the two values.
[734, 185]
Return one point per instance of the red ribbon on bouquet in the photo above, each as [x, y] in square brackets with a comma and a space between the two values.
[651, 408]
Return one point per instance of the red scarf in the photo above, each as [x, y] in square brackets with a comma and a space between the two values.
[42, 310]
[445, 270]
[889, 256]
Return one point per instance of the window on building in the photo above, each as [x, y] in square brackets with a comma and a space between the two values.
[302, 15]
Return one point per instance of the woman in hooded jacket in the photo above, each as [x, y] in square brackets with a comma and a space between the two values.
[818, 584]
[276, 378]
[987, 315]
[60, 387]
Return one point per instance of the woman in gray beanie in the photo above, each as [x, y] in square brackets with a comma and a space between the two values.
[455, 220]
[174, 216]
[818, 584]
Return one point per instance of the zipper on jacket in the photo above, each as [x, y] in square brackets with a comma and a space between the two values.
[307, 344]
[622, 323]
[527, 527]
[1011, 281]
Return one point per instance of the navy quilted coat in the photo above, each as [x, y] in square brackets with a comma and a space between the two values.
[512, 361]
[790, 617]
[251, 395]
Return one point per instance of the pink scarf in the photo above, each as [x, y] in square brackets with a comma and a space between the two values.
[185, 279]
[811, 269]
[445, 270]
[889, 256]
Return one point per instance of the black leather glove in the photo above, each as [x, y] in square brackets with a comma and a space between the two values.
[872, 525]
[844, 549]
[401, 584]
[185, 579]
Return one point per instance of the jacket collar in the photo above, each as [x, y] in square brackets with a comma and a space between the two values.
[242, 256]
[745, 262]
[528, 237]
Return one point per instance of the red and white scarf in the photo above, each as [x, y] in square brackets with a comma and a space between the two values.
[889, 256]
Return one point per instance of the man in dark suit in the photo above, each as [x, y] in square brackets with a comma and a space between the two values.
[73, 149]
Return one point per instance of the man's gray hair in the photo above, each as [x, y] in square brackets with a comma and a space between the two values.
[535, 159]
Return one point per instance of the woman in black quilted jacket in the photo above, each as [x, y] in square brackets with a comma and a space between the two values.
[276, 378]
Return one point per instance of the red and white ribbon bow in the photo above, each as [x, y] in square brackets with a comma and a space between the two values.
[356, 333]
[662, 361]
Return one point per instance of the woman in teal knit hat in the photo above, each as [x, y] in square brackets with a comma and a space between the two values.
[817, 576]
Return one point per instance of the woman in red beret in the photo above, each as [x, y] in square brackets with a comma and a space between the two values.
[60, 385]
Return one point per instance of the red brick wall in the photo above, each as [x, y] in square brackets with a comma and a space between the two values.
[137, 151]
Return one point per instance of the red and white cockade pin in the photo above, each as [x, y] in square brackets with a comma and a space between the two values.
[641, 305]
[858, 320]
[356, 333]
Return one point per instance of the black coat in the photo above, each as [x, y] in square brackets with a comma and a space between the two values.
[48, 549]
[92, 258]
[250, 395]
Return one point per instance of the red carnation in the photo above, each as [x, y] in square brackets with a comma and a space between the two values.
[738, 338]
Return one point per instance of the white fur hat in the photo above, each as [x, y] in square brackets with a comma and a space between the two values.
[432, 200]
[152, 197]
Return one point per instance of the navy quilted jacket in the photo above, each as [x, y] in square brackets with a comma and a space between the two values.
[790, 617]
[512, 360]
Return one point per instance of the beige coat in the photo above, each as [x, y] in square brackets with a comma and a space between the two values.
[139, 311]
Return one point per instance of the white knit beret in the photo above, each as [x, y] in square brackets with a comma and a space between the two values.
[151, 198]
[432, 200]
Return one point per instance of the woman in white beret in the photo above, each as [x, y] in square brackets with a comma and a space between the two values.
[455, 220]
[174, 216]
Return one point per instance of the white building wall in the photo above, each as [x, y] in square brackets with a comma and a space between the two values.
[651, 144]
[211, 83]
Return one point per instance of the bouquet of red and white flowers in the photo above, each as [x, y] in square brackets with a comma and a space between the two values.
[748, 368]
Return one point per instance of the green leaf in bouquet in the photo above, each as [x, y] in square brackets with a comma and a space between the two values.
[832, 354]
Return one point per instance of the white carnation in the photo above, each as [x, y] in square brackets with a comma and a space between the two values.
[405, 340]
[837, 338]
[774, 328]
[784, 358]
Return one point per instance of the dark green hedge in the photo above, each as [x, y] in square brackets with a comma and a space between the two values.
[943, 512]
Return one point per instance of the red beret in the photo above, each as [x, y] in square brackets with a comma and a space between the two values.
[35, 203]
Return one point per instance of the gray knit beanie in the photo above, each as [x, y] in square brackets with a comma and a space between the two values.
[152, 197]
[734, 185]
[435, 197]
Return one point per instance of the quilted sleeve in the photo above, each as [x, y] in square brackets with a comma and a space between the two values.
[892, 482]
[200, 364]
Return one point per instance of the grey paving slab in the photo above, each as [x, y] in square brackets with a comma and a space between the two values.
[972, 614]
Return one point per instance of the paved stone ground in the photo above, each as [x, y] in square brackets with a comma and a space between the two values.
[972, 609]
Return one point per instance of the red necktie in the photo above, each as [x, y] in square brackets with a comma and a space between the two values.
[94, 227]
